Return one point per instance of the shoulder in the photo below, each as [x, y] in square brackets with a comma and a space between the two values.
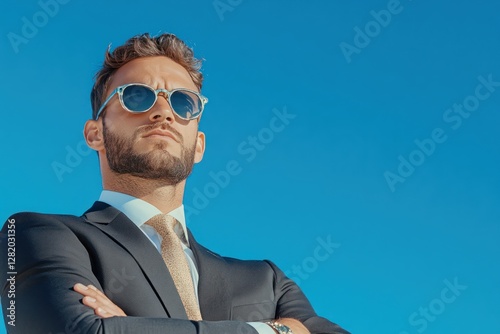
[23, 220]
[239, 264]
[98, 211]
[36, 216]
[42, 241]
[45, 225]
[254, 267]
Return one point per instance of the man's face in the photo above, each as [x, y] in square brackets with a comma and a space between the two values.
[156, 144]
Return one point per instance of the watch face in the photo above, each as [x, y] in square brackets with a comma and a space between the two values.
[282, 329]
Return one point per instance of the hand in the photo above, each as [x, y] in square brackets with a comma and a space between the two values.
[98, 301]
[296, 326]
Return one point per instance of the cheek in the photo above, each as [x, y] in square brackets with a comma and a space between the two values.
[120, 135]
[121, 121]
[189, 134]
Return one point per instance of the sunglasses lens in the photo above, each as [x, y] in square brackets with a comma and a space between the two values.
[186, 104]
[138, 98]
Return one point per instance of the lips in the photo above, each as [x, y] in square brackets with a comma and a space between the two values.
[162, 133]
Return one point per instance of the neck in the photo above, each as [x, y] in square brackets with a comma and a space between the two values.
[165, 197]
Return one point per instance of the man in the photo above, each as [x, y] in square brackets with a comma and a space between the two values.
[128, 264]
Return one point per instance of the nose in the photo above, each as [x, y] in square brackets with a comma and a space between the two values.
[161, 111]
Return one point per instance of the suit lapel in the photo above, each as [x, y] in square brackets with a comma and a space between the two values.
[214, 289]
[121, 229]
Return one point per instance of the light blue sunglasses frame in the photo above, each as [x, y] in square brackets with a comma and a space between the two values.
[120, 89]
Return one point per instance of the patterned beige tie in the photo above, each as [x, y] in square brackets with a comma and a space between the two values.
[175, 259]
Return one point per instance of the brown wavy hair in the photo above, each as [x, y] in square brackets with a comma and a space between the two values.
[144, 45]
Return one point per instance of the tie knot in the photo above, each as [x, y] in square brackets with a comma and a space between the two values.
[170, 221]
[167, 225]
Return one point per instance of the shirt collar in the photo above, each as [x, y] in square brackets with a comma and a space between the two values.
[139, 211]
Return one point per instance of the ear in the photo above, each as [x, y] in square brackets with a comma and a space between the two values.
[92, 132]
[200, 147]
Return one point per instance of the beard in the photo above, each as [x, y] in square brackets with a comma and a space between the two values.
[157, 164]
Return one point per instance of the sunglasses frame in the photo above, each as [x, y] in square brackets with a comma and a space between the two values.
[120, 89]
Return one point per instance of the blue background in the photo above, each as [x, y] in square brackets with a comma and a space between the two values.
[323, 175]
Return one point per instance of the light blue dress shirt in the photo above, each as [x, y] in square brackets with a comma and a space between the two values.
[139, 212]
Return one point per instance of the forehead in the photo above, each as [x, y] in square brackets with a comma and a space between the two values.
[158, 72]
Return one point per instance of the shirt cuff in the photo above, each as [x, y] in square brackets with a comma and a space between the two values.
[262, 328]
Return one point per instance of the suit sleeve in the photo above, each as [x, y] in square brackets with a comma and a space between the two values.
[37, 295]
[292, 303]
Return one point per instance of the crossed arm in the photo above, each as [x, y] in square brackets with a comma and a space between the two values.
[105, 308]
[51, 257]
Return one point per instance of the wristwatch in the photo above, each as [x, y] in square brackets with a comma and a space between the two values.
[279, 328]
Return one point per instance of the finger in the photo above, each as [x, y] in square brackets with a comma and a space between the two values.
[104, 301]
[89, 290]
[99, 292]
[103, 306]
[98, 301]
[85, 291]
[80, 288]
[90, 302]
[99, 310]
[92, 298]
[103, 313]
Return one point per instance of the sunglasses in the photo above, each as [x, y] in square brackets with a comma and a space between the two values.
[139, 98]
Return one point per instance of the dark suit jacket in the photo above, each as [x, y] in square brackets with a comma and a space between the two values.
[106, 249]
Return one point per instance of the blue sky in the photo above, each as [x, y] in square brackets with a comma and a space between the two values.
[355, 144]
